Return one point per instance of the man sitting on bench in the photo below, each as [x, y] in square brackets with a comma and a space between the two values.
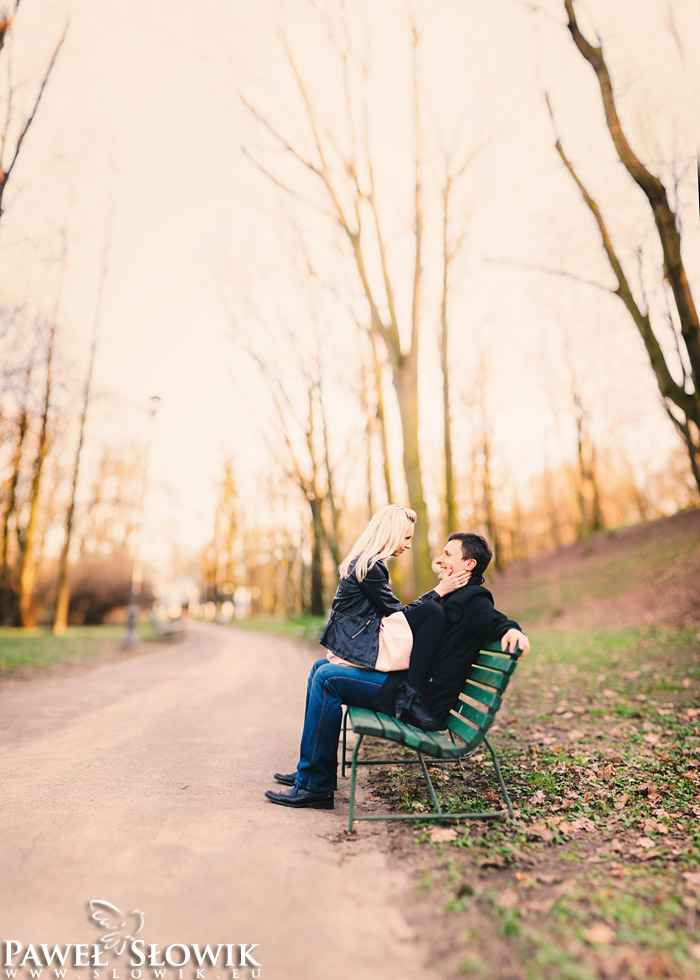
[470, 620]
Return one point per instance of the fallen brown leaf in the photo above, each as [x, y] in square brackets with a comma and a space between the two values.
[660, 964]
[599, 933]
[654, 826]
[441, 835]
[495, 861]
[520, 855]
[540, 831]
[563, 826]
[583, 823]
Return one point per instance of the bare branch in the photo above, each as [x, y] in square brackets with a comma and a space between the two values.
[322, 172]
[655, 192]
[392, 332]
[30, 119]
[285, 187]
[280, 139]
[668, 387]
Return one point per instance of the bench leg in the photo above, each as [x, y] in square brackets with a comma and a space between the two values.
[345, 738]
[504, 791]
[429, 784]
[353, 774]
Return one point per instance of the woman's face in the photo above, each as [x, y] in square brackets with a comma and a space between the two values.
[406, 543]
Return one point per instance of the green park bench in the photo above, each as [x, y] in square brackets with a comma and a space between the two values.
[468, 723]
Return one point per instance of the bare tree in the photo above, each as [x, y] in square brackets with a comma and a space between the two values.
[678, 372]
[10, 150]
[15, 466]
[363, 237]
[219, 571]
[587, 489]
[310, 468]
[450, 250]
[63, 588]
[378, 374]
[27, 569]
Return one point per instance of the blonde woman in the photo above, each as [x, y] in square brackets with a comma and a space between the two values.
[369, 634]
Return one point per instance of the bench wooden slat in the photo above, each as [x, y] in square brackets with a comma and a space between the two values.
[390, 726]
[493, 647]
[479, 718]
[472, 736]
[490, 698]
[505, 664]
[494, 678]
[367, 722]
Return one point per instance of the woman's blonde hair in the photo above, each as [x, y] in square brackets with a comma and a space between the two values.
[379, 540]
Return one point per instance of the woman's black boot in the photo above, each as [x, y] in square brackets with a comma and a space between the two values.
[420, 715]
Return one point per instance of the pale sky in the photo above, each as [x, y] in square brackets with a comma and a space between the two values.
[142, 120]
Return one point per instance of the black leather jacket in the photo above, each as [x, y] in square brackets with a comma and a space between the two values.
[352, 632]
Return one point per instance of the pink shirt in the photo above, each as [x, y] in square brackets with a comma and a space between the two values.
[395, 645]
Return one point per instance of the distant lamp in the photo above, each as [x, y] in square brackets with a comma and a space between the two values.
[130, 638]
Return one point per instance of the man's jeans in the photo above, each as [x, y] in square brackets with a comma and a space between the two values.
[330, 687]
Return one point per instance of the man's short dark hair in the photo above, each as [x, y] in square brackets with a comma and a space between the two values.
[474, 546]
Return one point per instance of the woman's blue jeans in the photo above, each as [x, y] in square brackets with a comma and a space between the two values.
[330, 686]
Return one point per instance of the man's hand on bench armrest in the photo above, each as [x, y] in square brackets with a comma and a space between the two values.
[513, 639]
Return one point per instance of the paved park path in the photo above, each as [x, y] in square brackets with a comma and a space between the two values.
[141, 782]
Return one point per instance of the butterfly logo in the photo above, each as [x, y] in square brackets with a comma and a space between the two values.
[122, 928]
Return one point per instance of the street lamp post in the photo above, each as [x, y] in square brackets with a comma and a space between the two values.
[130, 638]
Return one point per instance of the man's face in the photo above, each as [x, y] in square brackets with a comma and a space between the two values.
[451, 560]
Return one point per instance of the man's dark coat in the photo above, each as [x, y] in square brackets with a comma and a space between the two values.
[471, 620]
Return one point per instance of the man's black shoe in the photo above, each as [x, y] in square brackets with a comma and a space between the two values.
[287, 779]
[301, 798]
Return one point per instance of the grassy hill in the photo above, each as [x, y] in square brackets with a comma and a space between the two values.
[648, 573]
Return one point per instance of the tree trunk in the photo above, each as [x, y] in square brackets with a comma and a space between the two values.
[60, 621]
[381, 419]
[332, 539]
[450, 500]
[316, 607]
[27, 570]
[370, 416]
[406, 384]
[492, 529]
[22, 428]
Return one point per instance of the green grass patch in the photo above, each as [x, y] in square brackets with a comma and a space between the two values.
[39, 648]
[599, 744]
[303, 628]
[605, 574]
